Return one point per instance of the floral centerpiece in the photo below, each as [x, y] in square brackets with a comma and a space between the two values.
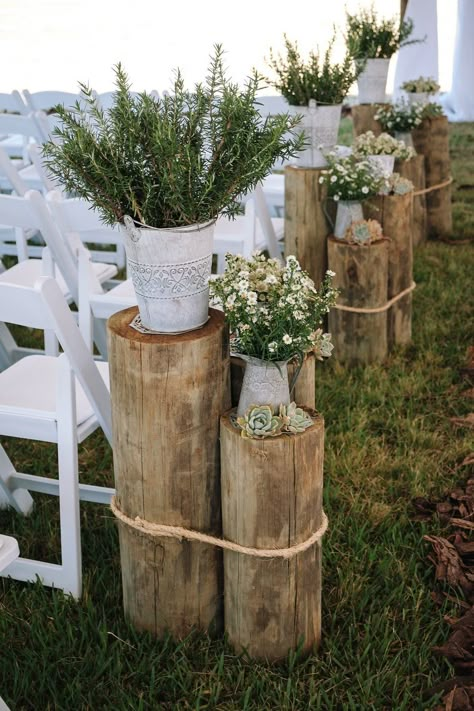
[274, 313]
[364, 232]
[381, 150]
[399, 119]
[349, 181]
[315, 88]
[164, 169]
[419, 90]
[371, 41]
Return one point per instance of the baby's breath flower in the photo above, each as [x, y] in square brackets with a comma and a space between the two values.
[287, 339]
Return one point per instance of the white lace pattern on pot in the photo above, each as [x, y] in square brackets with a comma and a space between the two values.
[168, 281]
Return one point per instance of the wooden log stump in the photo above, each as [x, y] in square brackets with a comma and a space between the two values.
[168, 393]
[362, 278]
[395, 214]
[431, 139]
[304, 393]
[306, 222]
[363, 119]
[414, 170]
[272, 498]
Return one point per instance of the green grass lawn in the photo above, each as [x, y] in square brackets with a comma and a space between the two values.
[388, 439]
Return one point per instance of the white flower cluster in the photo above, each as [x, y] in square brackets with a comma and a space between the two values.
[350, 178]
[368, 144]
[422, 85]
[274, 311]
[401, 116]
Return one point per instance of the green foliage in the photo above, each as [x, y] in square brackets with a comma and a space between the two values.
[317, 78]
[432, 110]
[371, 37]
[174, 161]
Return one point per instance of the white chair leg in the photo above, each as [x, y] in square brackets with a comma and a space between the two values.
[71, 560]
[19, 499]
[3, 706]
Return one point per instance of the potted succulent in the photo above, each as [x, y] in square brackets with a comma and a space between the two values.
[399, 119]
[349, 181]
[420, 90]
[274, 314]
[315, 89]
[396, 185]
[381, 151]
[165, 168]
[371, 41]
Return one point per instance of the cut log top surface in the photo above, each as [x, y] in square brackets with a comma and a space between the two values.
[119, 326]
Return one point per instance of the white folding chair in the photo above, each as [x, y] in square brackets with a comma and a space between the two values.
[9, 551]
[12, 104]
[25, 126]
[47, 100]
[61, 400]
[76, 216]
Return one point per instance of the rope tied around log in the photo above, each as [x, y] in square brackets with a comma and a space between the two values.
[438, 186]
[378, 309]
[163, 531]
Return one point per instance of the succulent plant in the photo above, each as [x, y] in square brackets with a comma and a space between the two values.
[294, 418]
[364, 231]
[259, 422]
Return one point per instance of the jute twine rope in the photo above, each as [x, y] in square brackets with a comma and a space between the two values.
[438, 186]
[378, 309]
[162, 531]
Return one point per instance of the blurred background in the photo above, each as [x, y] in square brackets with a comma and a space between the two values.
[46, 44]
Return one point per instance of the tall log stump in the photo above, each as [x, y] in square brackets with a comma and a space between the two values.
[395, 214]
[363, 119]
[272, 498]
[414, 170]
[362, 278]
[168, 393]
[306, 222]
[431, 139]
[304, 393]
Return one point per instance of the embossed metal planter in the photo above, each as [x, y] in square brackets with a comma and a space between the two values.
[348, 211]
[170, 271]
[321, 127]
[372, 81]
[264, 383]
[383, 164]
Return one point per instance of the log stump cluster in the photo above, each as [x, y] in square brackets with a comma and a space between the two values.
[179, 461]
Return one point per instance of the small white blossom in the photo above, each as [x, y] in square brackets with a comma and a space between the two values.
[287, 339]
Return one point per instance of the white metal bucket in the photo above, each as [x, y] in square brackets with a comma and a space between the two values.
[321, 128]
[348, 211]
[170, 270]
[420, 97]
[382, 164]
[264, 383]
[373, 81]
[406, 137]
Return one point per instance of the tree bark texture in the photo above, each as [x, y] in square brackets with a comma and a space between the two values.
[363, 119]
[362, 278]
[307, 215]
[414, 170]
[395, 213]
[431, 139]
[272, 498]
[168, 393]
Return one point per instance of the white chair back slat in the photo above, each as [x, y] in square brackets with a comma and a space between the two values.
[14, 124]
[20, 305]
[12, 103]
[47, 100]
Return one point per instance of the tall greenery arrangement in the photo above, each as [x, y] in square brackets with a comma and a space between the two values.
[174, 161]
[317, 77]
[371, 37]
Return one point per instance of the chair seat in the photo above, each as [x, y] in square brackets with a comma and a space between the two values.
[27, 273]
[9, 551]
[28, 389]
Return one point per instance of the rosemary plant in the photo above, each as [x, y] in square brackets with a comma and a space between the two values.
[371, 37]
[318, 78]
[179, 160]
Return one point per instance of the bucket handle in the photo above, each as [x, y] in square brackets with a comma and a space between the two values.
[131, 228]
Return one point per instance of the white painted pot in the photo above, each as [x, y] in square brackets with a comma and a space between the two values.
[382, 164]
[406, 137]
[422, 97]
[373, 81]
[348, 211]
[264, 383]
[170, 271]
[321, 128]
